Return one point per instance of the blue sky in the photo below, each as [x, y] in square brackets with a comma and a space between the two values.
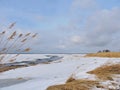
[66, 26]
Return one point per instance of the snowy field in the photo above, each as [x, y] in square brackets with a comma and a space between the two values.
[41, 76]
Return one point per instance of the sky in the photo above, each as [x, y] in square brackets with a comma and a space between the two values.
[66, 26]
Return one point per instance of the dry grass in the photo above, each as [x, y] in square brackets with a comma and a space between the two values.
[105, 72]
[6, 68]
[14, 42]
[105, 54]
[82, 84]
[20, 78]
[71, 79]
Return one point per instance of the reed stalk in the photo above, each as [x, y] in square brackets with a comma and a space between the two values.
[15, 41]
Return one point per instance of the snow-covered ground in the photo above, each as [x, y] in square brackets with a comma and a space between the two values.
[40, 76]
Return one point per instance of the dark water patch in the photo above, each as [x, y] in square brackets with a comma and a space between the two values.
[37, 61]
[10, 82]
[14, 65]
[50, 59]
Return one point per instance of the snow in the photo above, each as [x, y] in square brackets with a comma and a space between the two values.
[43, 75]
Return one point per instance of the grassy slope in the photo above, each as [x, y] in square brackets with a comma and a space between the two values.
[104, 72]
[105, 54]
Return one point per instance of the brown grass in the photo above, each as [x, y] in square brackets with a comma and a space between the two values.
[71, 79]
[6, 68]
[105, 54]
[82, 84]
[105, 72]
[20, 78]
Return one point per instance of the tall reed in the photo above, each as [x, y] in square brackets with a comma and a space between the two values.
[14, 42]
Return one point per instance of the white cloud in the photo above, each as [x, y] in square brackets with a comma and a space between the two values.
[102, 27]
[62, 46]
[83, 27]
[101, 31]
[76, 39]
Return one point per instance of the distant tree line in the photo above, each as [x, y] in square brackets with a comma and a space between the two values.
[106, 50]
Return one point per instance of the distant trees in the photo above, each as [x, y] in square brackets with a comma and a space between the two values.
[106, 50]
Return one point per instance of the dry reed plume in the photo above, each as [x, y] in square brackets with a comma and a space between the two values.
[14, 42]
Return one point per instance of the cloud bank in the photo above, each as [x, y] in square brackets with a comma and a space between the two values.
[67, 26]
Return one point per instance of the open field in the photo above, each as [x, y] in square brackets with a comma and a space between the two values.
[71, 72]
